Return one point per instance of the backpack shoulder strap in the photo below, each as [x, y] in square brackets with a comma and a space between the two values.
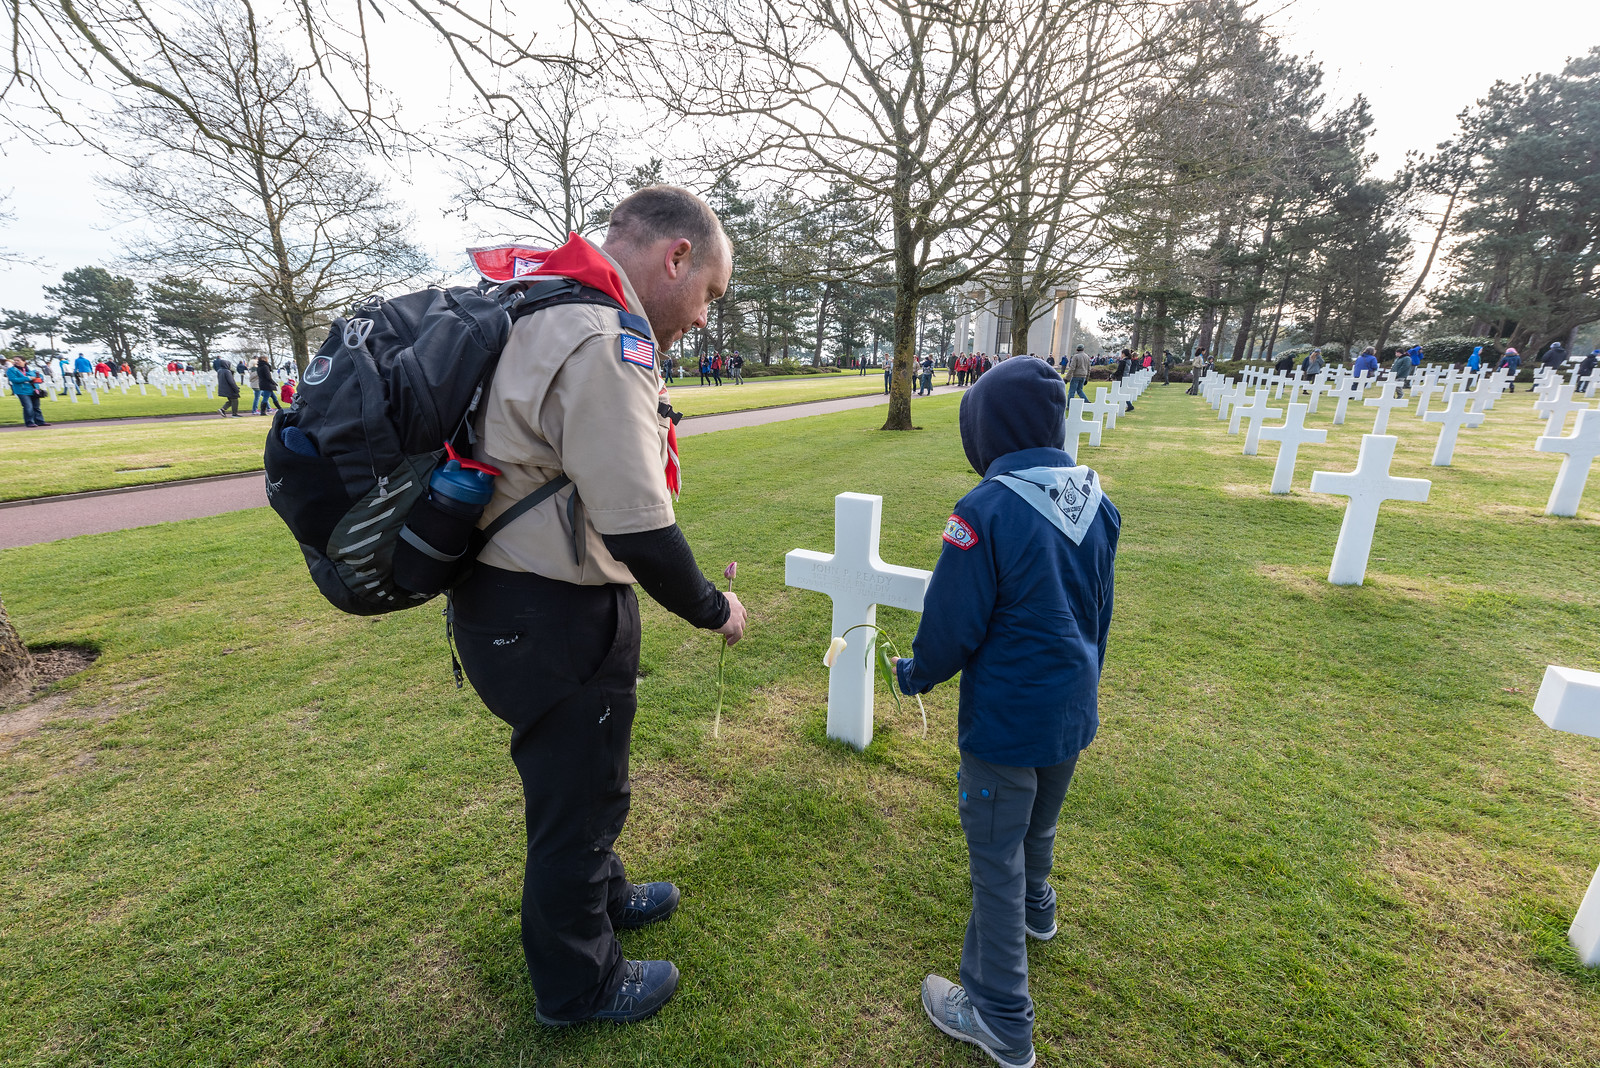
[527, 504]
[520, 303]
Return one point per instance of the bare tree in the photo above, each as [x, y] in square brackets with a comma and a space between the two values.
[910, 103]
[287, 216]
[550, 164]
[1443, 174]
[16, 663]
[55, 47]
[1123, 68]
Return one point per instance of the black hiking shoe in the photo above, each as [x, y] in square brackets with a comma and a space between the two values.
[649, 903]
[646, 986]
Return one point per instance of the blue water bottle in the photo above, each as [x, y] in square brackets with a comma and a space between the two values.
[438, 532]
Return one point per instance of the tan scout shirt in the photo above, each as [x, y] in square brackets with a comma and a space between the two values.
[564, 400]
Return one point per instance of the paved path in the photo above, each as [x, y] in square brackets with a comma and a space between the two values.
[102, 511]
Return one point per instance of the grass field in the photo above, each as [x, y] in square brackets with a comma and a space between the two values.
[757, 393]
[768, 392]
[38, 463]
[74, 459]
[114, 405]
[1320, 826]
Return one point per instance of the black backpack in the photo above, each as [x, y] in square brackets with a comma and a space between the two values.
[389, 397]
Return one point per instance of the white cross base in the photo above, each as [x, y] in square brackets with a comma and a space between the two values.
[1569, 700]
[1368, 486]
[858, 581]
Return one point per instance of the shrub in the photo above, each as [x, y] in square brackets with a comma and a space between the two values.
[754, 369]
[1456, 349]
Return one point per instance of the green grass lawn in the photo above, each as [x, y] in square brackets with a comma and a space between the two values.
[1320, 826]
[768, 392]
[755, 393]
[38, 463]
[113, 405]
[73, 459]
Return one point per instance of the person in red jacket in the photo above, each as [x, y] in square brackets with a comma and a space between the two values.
[286, 394]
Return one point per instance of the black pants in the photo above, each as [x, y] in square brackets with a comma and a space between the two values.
[559, 663]
[230, 399]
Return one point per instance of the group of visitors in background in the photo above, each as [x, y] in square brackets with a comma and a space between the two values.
[264, 387]
[712, 366]
[1407, 360]
[966, 369]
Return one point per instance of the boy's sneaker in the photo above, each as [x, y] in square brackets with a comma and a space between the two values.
[952, 1012]
[646, 986]
[648, 903]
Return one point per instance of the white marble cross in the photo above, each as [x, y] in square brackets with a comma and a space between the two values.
[1569, 700]
[1454, 418]
[1292, 434]
[1079, 423]
[1486, 392]
[1351, 389]
[1229, 399]
[858, 581]
[1555, 408]
[1368, 486]
[1255, 413]
[1104, 406]
[1425, 390]
[1242, 405]
[1315, 388]
[1581, 447]
[1384, 402]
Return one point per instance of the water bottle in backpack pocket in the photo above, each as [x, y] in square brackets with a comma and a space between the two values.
[439, 529]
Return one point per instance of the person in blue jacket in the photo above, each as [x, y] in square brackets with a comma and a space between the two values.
[21, 380]
[1366, 364]
[82, 367]
[1019, 604]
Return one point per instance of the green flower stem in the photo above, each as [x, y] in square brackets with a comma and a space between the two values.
[889, 680]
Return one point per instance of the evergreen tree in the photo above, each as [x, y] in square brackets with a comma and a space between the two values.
[190, 316]
[96, 305]
[1527, 268]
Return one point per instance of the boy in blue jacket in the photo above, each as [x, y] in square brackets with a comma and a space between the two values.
[1019, 603]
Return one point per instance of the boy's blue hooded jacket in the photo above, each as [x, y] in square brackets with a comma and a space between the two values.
[1020, 600]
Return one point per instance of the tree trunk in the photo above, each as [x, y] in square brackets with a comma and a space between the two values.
[16, 663]
[1433, 250]
[1158, 332]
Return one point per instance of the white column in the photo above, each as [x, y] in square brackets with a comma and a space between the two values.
[988, 323]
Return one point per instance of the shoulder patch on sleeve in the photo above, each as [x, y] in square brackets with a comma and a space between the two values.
[641, 351]
[638, 324]
[959, 532]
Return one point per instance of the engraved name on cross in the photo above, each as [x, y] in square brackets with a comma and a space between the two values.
[858, 581]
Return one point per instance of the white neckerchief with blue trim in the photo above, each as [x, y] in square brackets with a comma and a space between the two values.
[1067, 496]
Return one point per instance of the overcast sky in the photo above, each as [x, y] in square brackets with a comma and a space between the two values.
[1418, 61]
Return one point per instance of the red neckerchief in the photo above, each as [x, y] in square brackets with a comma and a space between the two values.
[581, 262]
[577, 260]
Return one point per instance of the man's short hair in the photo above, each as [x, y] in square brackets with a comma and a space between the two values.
[670, 211]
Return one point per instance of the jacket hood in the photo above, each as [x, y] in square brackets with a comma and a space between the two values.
[1018, 404]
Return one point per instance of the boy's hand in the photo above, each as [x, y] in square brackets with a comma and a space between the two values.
[894, 663]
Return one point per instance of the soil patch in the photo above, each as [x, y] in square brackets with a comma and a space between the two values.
[51, 665]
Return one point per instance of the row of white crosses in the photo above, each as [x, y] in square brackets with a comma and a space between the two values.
[1102, 412]
[1368, 486]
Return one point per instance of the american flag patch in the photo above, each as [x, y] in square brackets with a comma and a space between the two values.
[521, 265]
[639, 350]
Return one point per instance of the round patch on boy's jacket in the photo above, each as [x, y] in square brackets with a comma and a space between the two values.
[958, 533]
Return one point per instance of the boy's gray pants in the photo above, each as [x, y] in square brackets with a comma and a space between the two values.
[1011, 834]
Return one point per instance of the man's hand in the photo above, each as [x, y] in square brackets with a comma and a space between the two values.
[733, 629]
